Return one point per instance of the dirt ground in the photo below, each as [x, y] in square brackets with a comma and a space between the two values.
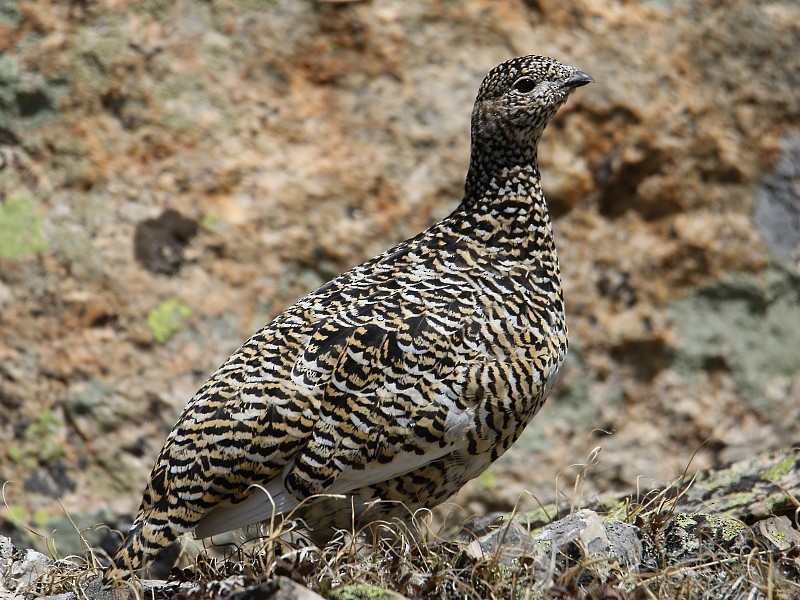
[174, 174]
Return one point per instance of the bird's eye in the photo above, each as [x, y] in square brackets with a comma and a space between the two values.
[524, 85]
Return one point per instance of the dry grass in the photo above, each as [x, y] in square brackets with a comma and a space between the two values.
[437, 565]
[420, 560]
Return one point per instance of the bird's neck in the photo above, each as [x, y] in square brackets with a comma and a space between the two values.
[504, 208]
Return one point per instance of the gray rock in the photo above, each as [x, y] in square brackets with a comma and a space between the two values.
[689, 535]
[777, 206]
[506, 543]
[6, 552]
[280, 588]
[780, 533]
[625, 544]
[28, 568]
[583, 535]
[92, 589]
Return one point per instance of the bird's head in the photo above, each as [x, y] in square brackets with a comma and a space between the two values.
[517, 99]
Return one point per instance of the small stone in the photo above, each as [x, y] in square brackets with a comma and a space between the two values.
[93, 589]
[28, 569]
[280, 588]
[506, 543]
[6, 550]
[779, 532]
[558, 545]
[158, 244]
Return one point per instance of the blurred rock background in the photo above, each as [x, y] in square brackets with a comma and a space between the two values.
[174, 174]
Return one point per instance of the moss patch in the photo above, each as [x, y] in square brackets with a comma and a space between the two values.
[20, 228]
[167, 319]
[360, 592]
[782, 468]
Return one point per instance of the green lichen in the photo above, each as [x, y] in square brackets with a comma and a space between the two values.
[44, 437]
[721, 527]
[779, 501]
[734, 502]
[746, 325]
[17, 515]
[778, 535]
[488, 480]
[10, 14]
[727, 528]
[360, 591]
[167, 319]
[616, 511]
[211, 223]
[20, 228]
[14, 453]
[545, 546]
[684, 520]
[712, 480]
[784, 467]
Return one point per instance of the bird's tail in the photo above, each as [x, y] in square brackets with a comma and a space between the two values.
[148, 536]
[158, 523]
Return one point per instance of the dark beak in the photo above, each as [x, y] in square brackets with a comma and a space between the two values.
[577, 80]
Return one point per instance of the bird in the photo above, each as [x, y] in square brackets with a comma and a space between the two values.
[391, 386]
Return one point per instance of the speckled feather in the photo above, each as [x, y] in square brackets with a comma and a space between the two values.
[399, 380]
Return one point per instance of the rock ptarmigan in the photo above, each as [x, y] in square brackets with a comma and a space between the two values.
[401, 379]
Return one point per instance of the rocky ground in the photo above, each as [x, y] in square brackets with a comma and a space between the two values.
[174, 174]
[724, 534]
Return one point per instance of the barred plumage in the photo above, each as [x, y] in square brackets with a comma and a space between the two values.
[399, 380]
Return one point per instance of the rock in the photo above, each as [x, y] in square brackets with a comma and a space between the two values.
[561, 544]
[780, 533]
[26, 569]
[781, 536]
[583, 535]
[158, 244]
[777, 205]
[506, 543]
[280, 588]
[6, 553]
[751, 489]
[688, 536]
[236, 587]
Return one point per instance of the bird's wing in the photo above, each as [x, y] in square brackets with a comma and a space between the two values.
[355, 384]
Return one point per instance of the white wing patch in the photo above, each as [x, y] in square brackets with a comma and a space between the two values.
[273, 499]
[261, 505]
